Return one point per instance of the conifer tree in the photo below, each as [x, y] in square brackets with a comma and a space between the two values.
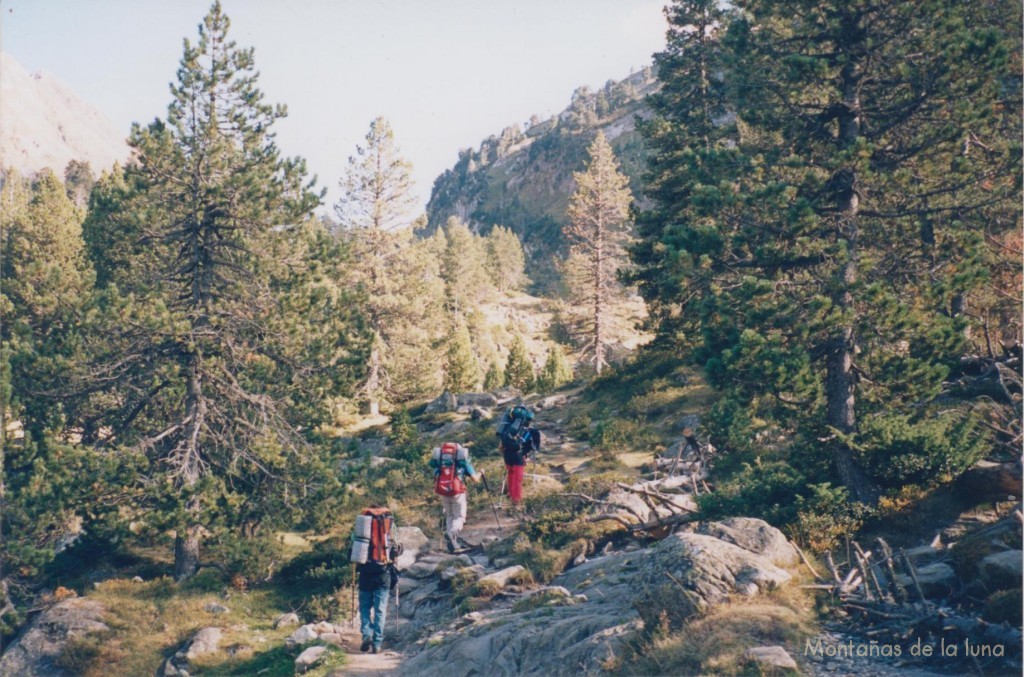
[461, 370]
[227, 353]
[556, 371]
[463, 268]
[690, 176]
[599, 230]
[401, 285]
[495, 377]
[506, 262]
[518, 368]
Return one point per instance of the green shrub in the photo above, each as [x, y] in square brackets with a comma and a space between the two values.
[620, 434]
[761, 489]
[1004, 607]
[825, 517]
[245, 560]
[900, 450]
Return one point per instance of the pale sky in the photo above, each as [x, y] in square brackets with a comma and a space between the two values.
[446, 73]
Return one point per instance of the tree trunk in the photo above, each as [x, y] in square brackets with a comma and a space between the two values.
[598, 298]
[186, 553]
[840, 383]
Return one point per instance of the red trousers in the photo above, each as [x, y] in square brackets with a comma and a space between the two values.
[514, 476]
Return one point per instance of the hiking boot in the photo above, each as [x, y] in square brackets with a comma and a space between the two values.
[365, 646]
[449, 543]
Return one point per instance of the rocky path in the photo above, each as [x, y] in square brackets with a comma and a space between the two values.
[366, 664]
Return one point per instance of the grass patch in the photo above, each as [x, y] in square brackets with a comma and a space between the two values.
[715, 643]
[150, 621]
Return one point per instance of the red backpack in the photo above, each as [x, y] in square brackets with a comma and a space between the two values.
[372, 541]
[447, 481]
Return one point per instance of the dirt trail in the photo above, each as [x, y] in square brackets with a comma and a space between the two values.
[481, 527]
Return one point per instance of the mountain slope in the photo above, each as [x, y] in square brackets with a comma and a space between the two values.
[523, 179]
[45, 124]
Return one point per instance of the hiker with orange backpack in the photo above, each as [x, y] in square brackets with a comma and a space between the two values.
[373, 556]
[451, 465]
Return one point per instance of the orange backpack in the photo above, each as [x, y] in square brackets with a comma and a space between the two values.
[373, 536]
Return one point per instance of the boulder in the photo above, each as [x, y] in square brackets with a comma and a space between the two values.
[34, 652]
[937, 580]
[449, 430]
[203, 642]
[285, 620]
[476, 400]
[500, 579]
[308, 658]
[507, 395]
[1002, 570]
[770, 659]
[754, 535]
[373, 446]
[551, 640]
[304, 635]
[442, 404]
[413, 541]
[688, 573]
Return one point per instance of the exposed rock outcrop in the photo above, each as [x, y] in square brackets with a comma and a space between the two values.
[34, 653]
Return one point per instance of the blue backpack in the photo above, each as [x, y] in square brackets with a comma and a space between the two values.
[514, 423]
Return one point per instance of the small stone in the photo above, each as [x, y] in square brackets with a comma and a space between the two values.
[285, 620]
[331, 638]
[137, 579]
[303, 635]
[308, 658]
[770, 657]
[216, 608]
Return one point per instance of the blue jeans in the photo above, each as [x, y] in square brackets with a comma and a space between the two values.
[375, 601]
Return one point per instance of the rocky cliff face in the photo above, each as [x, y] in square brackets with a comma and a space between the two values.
[44, 124]
[522, 179]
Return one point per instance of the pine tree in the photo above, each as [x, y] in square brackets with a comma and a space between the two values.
[556, 371]
[518, 367]
[599, 231]
[692, 166]
[506, 262]
[231, 346]
[461, 371]
[463, 268]
[494, 378]
[45, 299]
[402, 285]
[822, 278]
[78, 181]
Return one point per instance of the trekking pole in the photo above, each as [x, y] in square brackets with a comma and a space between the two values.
[491, 500]
[354, 622]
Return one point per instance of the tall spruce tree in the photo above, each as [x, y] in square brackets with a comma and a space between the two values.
[556, 371]
[219, 363]
[599, 229]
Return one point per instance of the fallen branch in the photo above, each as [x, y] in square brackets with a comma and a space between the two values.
[806, 562]
[655, 495]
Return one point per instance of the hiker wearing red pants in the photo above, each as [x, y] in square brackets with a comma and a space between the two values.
[516, 451]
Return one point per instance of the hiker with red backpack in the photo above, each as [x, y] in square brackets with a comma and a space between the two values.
[451, 465]
[373, 556]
